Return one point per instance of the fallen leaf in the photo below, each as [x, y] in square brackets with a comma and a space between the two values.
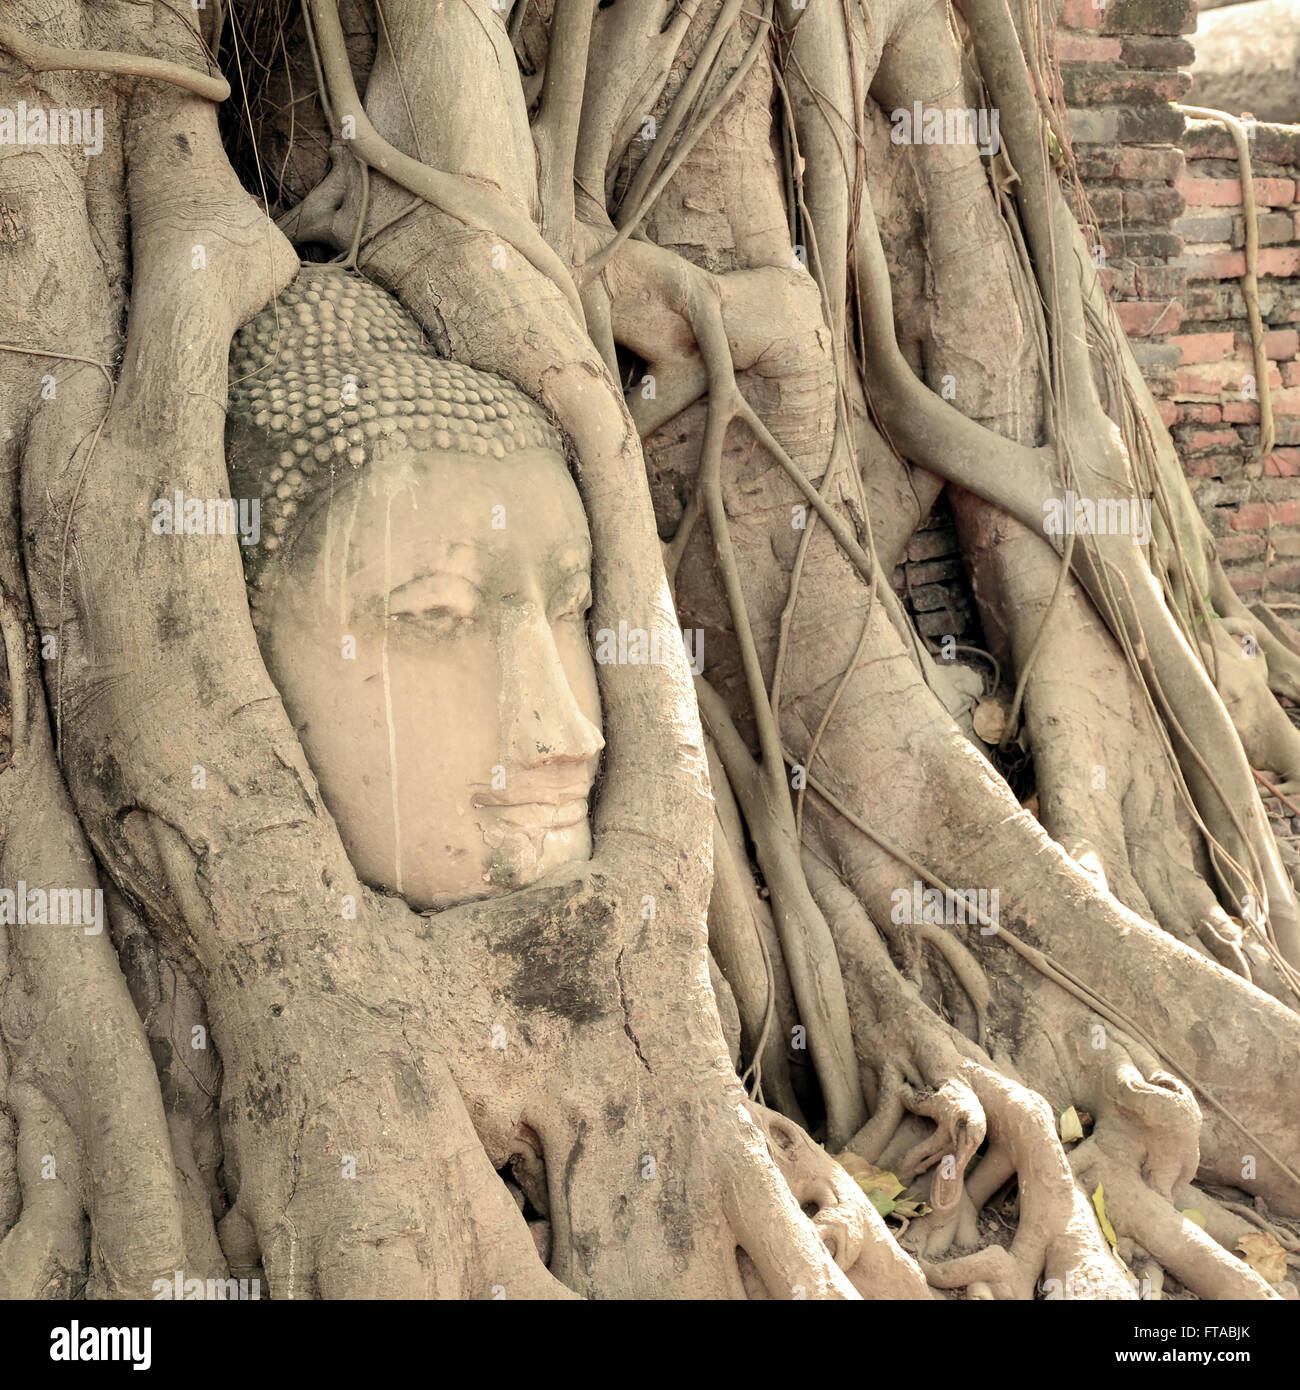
[1195, 1217]
[1071, 1127]
[1099, 1205]
[1264, 1255]
[884, 1205]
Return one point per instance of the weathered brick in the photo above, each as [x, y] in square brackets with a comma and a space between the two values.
[1159, 281]
[1204, 347]
[1190, 412]
[1290, 373]
[1159, 205]
[1283, 463]
[1245, 581]
[1244, 547]
[1167, 411]
[1218, 378]
[943, 621]
[1093, 127]
[1252, 516]
[1197, 441]
[1089, 85]
[1157, 246]
[1082, 14]
[1137, 163]
[1275, 229]
[1107, 204]
[1205, 301]
[1149, 17]
[1282, 261]
[1212, 265]
[934, 571]
[1151, 353]
[1156, 51]
[1274, 144]
[1198, 228]
[1226, 193]
[930, 545]
[1084, 48]
[1282, 344]
[1151, 124]
[1144, 317]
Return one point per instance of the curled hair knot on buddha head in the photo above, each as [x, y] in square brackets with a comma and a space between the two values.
[332, 378]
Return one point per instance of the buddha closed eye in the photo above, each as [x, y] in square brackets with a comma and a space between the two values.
[421, 607]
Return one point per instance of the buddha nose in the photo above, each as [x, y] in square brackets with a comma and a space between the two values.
[543, 722]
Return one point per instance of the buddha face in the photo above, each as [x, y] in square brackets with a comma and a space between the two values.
[427, 633]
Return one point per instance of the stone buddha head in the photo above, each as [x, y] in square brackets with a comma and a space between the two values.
[419, 590]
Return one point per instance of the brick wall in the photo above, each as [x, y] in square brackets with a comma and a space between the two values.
[1166, 196]
[1217, 414]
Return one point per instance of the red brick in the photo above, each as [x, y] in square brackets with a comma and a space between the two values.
[1244, 582]
[1204, 466]
[1149, 17]
[1156, 51]
[1212, 379]
[1241, 412]
[1226, 193]
[1131, 163]
[1202, 441]
[1244, 547]
[1254, 516]
[1282, 344]
[1204, 347]
[1291, 373]
[1142, 317]
[1282, 261]
[1283, 463]
[1287, 402]
[1192, 414]
[1163, 282]
[1218, 265]
[1080, 48]
[1089, 86]
[1168, 412]
[1082, 14]
[1159, 206]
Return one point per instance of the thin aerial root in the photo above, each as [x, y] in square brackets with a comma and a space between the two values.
[40, 57]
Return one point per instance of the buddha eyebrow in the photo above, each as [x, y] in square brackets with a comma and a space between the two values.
[431, 576]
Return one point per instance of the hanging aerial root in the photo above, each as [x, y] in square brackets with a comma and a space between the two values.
[473, 204]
